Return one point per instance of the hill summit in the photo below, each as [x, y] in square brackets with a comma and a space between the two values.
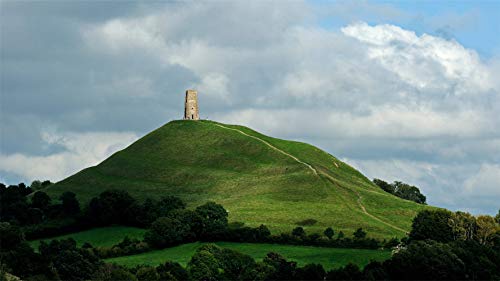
[258, 179]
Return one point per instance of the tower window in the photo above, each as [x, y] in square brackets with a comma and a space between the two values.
[192, 116]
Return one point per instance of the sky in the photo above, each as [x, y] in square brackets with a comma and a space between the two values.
[403, 90]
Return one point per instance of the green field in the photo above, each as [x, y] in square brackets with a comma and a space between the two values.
[328, 257]
[99, 237]
[258, 179]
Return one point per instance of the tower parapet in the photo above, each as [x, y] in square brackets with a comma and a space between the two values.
[191, 110]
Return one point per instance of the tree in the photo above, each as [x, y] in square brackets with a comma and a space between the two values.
[204, 266]
[486, 229]
[359, 233]
[113, 272]
[112, 206]
[40, 200]
[393, 242]
[281, 268]
[408, 192]
[35, 215]
[329, 233]
[11, 236]
[348, 272]
[147, 273]
[70, 204]
[402, 190]
[191, 220]
[298, 232]
[214, 219]
[374, 271]
[497, 217]
[340, 235]
[165, 232]
[36, 185]
[426, 260]
[310, 271]
[384, 185]
[70, 263]
[170, 270]
[169, 203]
[235, 265]
[13, 204]
[17, 255]
[432, 224]
[262, 232]
[463, 225]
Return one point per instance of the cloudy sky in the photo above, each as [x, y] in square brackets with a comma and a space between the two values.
[405, 92]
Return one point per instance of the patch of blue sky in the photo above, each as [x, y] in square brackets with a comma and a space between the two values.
[474, 24]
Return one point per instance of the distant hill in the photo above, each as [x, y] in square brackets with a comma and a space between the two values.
[258, 179]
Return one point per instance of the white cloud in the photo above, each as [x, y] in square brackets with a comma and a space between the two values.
[485, 183]
[424, 61]
[420, 103]
[81, 150]
[214, 85]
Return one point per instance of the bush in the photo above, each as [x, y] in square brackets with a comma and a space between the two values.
[329, 233]
[113, 272]
[298, 232]
[402, 190]
[214, 219]
[307, 222]
[166, 232]
[359, 233]
[170, 270]
[147, 273]
[432, 224]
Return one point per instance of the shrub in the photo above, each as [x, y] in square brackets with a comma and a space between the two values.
[165, 232]
[307, 222]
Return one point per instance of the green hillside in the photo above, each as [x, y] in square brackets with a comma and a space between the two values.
[258, 179]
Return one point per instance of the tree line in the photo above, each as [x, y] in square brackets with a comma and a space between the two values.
[441, 245]
[401, 190]
[436, 249]
[168, 221]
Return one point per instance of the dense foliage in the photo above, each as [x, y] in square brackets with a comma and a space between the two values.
[401, 190]
[442, 245]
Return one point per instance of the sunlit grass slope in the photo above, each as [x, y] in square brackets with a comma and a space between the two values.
[255, 180]
[99, 237]
[328, 257]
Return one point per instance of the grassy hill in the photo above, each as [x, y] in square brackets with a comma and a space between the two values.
[328, 257]
[258, 179]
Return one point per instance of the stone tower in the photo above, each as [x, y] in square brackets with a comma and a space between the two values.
[191, 111]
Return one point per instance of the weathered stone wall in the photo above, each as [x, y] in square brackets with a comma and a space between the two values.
[191, 110]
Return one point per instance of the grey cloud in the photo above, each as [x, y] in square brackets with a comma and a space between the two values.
[105, 68]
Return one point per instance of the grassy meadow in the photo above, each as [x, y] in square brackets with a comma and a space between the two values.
[200, 161]
[98, 237]
[328, 257]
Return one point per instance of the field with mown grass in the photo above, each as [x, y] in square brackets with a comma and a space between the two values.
[98, 237]
[328, 257]
[258, 179]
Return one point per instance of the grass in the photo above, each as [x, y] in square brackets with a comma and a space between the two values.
[99, 237]
[328, 257]
[199, 161]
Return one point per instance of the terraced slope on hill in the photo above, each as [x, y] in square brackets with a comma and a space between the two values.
[258, 179]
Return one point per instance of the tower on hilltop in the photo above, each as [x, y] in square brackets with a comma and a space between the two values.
[191, 110]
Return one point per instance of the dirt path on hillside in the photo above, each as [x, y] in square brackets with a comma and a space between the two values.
[273, 147]
[360, 203]
[315, 172]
